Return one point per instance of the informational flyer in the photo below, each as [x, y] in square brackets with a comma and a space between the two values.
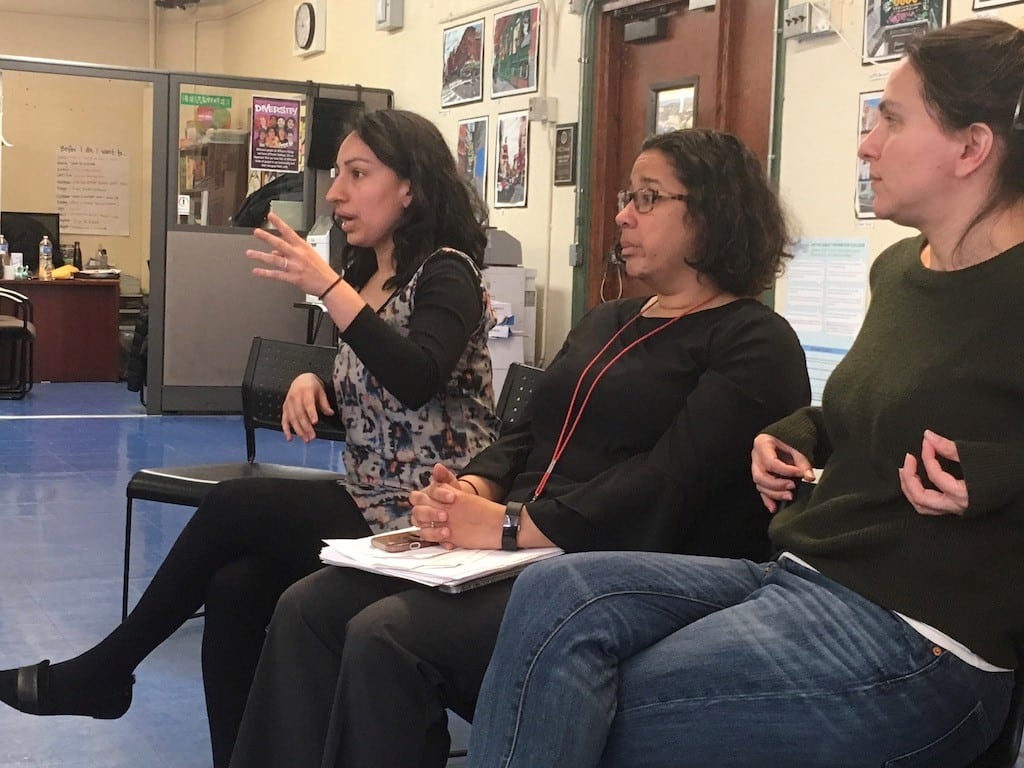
[825, 301]
[275, 135]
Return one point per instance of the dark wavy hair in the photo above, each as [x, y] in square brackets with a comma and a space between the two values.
[973, 72]
[743, 238]
[445, 210]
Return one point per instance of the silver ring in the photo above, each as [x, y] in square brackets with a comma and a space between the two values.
[285, 267]
[433, 523]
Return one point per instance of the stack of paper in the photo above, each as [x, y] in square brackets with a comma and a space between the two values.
[433, 566]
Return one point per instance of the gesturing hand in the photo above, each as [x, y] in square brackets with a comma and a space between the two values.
[950, 494]
[776, 468]
[291, 259]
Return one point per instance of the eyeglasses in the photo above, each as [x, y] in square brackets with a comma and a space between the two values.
[644, 199]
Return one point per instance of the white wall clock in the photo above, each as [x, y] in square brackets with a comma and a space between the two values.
[309, 25]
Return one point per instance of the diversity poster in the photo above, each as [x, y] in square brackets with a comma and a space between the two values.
[275, 135]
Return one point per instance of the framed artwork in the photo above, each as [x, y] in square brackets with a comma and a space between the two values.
[462, 79]
[672, 106]
[471, 153]
[867, 117]
[890, 24]
[565, 154]
[980, 5]
[512, 159]
[516, 52]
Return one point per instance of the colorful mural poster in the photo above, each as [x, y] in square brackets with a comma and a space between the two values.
[513, 160]
[516, 51]
[275, 135]
[890, 24]
[471, 153]
[867, 119]
[461, 75]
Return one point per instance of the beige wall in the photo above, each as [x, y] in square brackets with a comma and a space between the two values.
[819, 125]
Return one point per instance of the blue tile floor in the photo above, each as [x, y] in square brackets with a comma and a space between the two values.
[67, 452]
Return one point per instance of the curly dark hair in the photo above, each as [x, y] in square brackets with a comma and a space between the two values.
[973, 72]
[445, 210]
[743, 236]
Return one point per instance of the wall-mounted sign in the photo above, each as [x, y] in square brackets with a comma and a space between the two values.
[565, 154]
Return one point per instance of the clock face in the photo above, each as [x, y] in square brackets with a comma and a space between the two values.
[305, 24]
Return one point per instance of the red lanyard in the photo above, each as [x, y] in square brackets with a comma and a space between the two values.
[567, 430]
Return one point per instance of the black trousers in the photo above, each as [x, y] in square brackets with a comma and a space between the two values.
[358, 670]
[245, 544]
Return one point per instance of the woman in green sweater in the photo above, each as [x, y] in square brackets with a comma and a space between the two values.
[885, 632]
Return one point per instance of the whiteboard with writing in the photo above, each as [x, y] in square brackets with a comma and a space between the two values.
[93, 190]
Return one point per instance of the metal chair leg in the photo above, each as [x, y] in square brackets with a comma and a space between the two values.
[127, 558]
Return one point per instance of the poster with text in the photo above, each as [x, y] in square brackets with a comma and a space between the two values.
[867, 119]
[471, 153]
[516, 52]
[275, 135]
[512, 160]
[462, 78]
[890, 24]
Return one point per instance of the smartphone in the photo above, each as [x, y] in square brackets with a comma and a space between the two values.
[401, 541]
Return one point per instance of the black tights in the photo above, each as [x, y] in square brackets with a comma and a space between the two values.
[246, 543]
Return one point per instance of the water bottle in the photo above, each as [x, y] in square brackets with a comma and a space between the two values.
[5, 252]
[76, 255]
[45, 259]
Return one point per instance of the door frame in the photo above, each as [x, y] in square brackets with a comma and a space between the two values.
[590, 135]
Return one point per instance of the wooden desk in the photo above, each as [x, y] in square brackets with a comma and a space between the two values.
[76, 328]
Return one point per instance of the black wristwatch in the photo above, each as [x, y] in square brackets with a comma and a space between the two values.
[510, 528]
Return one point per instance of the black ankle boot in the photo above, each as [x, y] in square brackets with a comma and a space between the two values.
[30, 690]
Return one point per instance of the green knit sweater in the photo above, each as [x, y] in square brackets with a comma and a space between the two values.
[941, 351]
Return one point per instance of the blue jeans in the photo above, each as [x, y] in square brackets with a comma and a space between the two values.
[638, 659]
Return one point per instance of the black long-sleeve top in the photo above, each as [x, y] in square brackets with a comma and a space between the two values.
[415, 367]
[660, 460]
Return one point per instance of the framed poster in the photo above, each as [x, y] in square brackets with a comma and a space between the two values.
[890, 24]
[516, 52]
[867, 118]
[672, 106]
[471, 153]
[512, 159]
[565, 154]
[980, 5]
[462, 70]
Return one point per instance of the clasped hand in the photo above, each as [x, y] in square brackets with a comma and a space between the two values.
[455, 517]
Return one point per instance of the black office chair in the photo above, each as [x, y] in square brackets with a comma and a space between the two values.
[516, 392]
[270, 370]
[18, 333]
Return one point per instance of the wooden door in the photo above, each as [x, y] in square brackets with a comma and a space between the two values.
[726, 51]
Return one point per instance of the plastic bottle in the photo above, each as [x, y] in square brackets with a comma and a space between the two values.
[45, 258]
[5, 252]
